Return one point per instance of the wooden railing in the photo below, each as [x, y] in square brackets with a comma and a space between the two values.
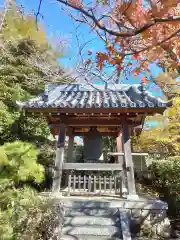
[122, 154]
[92, 166]
[92, 184]
[91, 178]
[141, 161]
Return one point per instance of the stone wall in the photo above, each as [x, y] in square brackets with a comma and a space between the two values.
[149, 219]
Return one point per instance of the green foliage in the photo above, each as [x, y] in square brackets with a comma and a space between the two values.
[108, 146]
[17, 164]
[20, 165]
[23, 215]
[27, 60]
[167, 173]
[6, 118]
[169, 83]
[165, 139]
[108, 143]
[18, 25]
[17, 82]
[165, 181]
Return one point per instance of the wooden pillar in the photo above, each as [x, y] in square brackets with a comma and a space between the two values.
[123, 186]
[59, 159]
[128, 162]
[119, 146]
[69, 153]
[70, 145]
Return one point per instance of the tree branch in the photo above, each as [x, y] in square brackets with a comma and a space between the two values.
[38, 12]
[129, 33]
[158, 44]
[3, 16]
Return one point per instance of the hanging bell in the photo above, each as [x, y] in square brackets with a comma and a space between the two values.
[92, 145]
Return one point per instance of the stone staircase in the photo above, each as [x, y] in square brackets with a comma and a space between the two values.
[91, 221]
[109, 219]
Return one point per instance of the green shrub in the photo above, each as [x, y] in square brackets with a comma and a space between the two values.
[166, 174]
[166, 181]
[23, 215]
[20, 165]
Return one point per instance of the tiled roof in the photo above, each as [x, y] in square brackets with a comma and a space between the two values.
[94, 96]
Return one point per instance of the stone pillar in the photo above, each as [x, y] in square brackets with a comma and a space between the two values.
[132, 195]
[59, 160]
[120, 159]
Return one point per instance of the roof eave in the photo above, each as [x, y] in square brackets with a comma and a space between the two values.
[94, 110]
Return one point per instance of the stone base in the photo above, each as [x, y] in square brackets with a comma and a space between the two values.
[133, 197]
[55, 194]
[124, 193]
[124, 190]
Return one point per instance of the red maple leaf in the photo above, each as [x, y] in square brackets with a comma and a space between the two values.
[144, 79]
[118, 68]
[135, 56]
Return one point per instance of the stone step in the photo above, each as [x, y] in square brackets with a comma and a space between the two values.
[71, 212]
[91, 220]
[89, 237]
[107, 231]
[90, 203]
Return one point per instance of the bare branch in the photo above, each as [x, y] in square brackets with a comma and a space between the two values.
[38, 12]
[158, 44]
[6, 7]
[129, 33]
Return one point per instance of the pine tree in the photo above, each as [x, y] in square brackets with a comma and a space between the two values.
[27, 62]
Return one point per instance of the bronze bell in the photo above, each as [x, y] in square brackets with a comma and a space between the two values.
[92, 145]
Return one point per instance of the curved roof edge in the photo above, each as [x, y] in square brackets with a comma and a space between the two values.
[95, 96]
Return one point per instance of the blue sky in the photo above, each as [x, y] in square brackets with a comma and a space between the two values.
[57, 23]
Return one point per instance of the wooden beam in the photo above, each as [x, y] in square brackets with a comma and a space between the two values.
[96, 110]
[92, 166]
[113, 134]
[80, 132]
[133, 154]
[93, 122]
